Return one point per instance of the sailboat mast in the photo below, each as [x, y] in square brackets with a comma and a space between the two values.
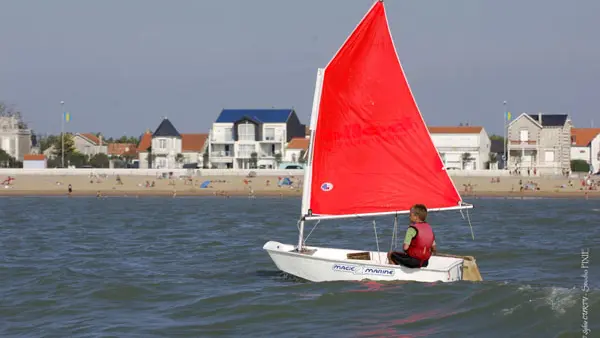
[309, 157]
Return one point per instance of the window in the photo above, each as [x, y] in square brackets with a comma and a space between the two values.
[246, 132]
[162, 144]
[246, 150]
[228, 134]
[549, 156]
[524, 136]
[269, 134]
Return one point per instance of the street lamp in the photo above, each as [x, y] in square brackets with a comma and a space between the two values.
[62, 133]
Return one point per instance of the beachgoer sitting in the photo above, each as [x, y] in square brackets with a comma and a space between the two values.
[419, 242]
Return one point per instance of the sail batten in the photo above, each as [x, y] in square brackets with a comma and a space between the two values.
[371, 152]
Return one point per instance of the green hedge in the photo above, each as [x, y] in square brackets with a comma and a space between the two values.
[580, 166]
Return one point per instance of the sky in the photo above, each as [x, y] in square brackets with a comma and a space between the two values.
[120, 66]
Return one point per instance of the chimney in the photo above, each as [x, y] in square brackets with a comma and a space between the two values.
[540, 118]
[100, 138]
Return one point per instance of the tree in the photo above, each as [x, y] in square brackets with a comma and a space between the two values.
[127, 139]
[253, 160]
[47, 141]
[8, 161]
[179, 158]
[69, 146]
[580, 166]
[493, 158]
[496, 138]
[100, 161]
[466, 158]
[77, 159]
[278, 159]
[302, 156]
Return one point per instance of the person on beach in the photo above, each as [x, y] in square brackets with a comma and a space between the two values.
[419, 242]
[70, 190]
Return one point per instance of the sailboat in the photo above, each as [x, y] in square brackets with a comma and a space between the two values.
[370, 155]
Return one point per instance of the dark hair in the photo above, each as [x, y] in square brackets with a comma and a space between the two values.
[420, 211]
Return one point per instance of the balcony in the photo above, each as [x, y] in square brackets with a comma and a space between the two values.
[523, 144]
[221, 153]
[216, 139]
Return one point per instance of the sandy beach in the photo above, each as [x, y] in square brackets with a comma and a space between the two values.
[133, 185]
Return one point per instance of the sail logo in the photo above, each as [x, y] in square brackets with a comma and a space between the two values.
[326, 186]
[345, 268]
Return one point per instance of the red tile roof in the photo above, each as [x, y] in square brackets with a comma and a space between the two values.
[455, 130]
[93, 138]
[581, 137]
[145, 142]
[121, 149]
[193, 142]
[298, 143]
[33, 157]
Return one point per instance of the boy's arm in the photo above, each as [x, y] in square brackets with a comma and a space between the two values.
[433, 248]
[410, 233]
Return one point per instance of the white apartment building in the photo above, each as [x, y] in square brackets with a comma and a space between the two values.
[462, 148]
[239, 137]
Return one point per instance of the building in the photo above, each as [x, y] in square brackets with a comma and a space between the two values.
[462, 148]
[296, 150]
[541, 141]
[121, 150]
[497, 150]
[166, 148]
[165, 145]
[15, 137]
[240, 137]
[193, 148]
[585, 145]
[34, 161]
[89, 144]
[144, 150]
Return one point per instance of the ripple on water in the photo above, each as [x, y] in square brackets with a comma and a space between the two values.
[194, 267]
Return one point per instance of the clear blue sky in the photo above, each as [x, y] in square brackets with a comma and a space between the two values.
[121, 65]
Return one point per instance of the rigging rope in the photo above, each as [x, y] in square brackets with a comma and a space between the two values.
[376, 241]
[468, 220]
[394, 243]
[311, 231]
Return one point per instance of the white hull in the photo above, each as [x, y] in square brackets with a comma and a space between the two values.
[326, 264]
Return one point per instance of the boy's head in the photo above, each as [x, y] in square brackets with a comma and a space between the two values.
[418, 213]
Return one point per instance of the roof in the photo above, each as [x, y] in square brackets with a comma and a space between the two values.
[145, 141]
[455, 130]
[120, 149]
[581, 137]
[34, 157]
[550, 120]
[260, 115]
[166, 129]
[193, 142]
[497, 146]
[92, 138]
[298, 143]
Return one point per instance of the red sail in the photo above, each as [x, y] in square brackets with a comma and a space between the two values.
[372, 152]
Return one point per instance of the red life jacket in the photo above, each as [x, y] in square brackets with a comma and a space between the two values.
[420, 246]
